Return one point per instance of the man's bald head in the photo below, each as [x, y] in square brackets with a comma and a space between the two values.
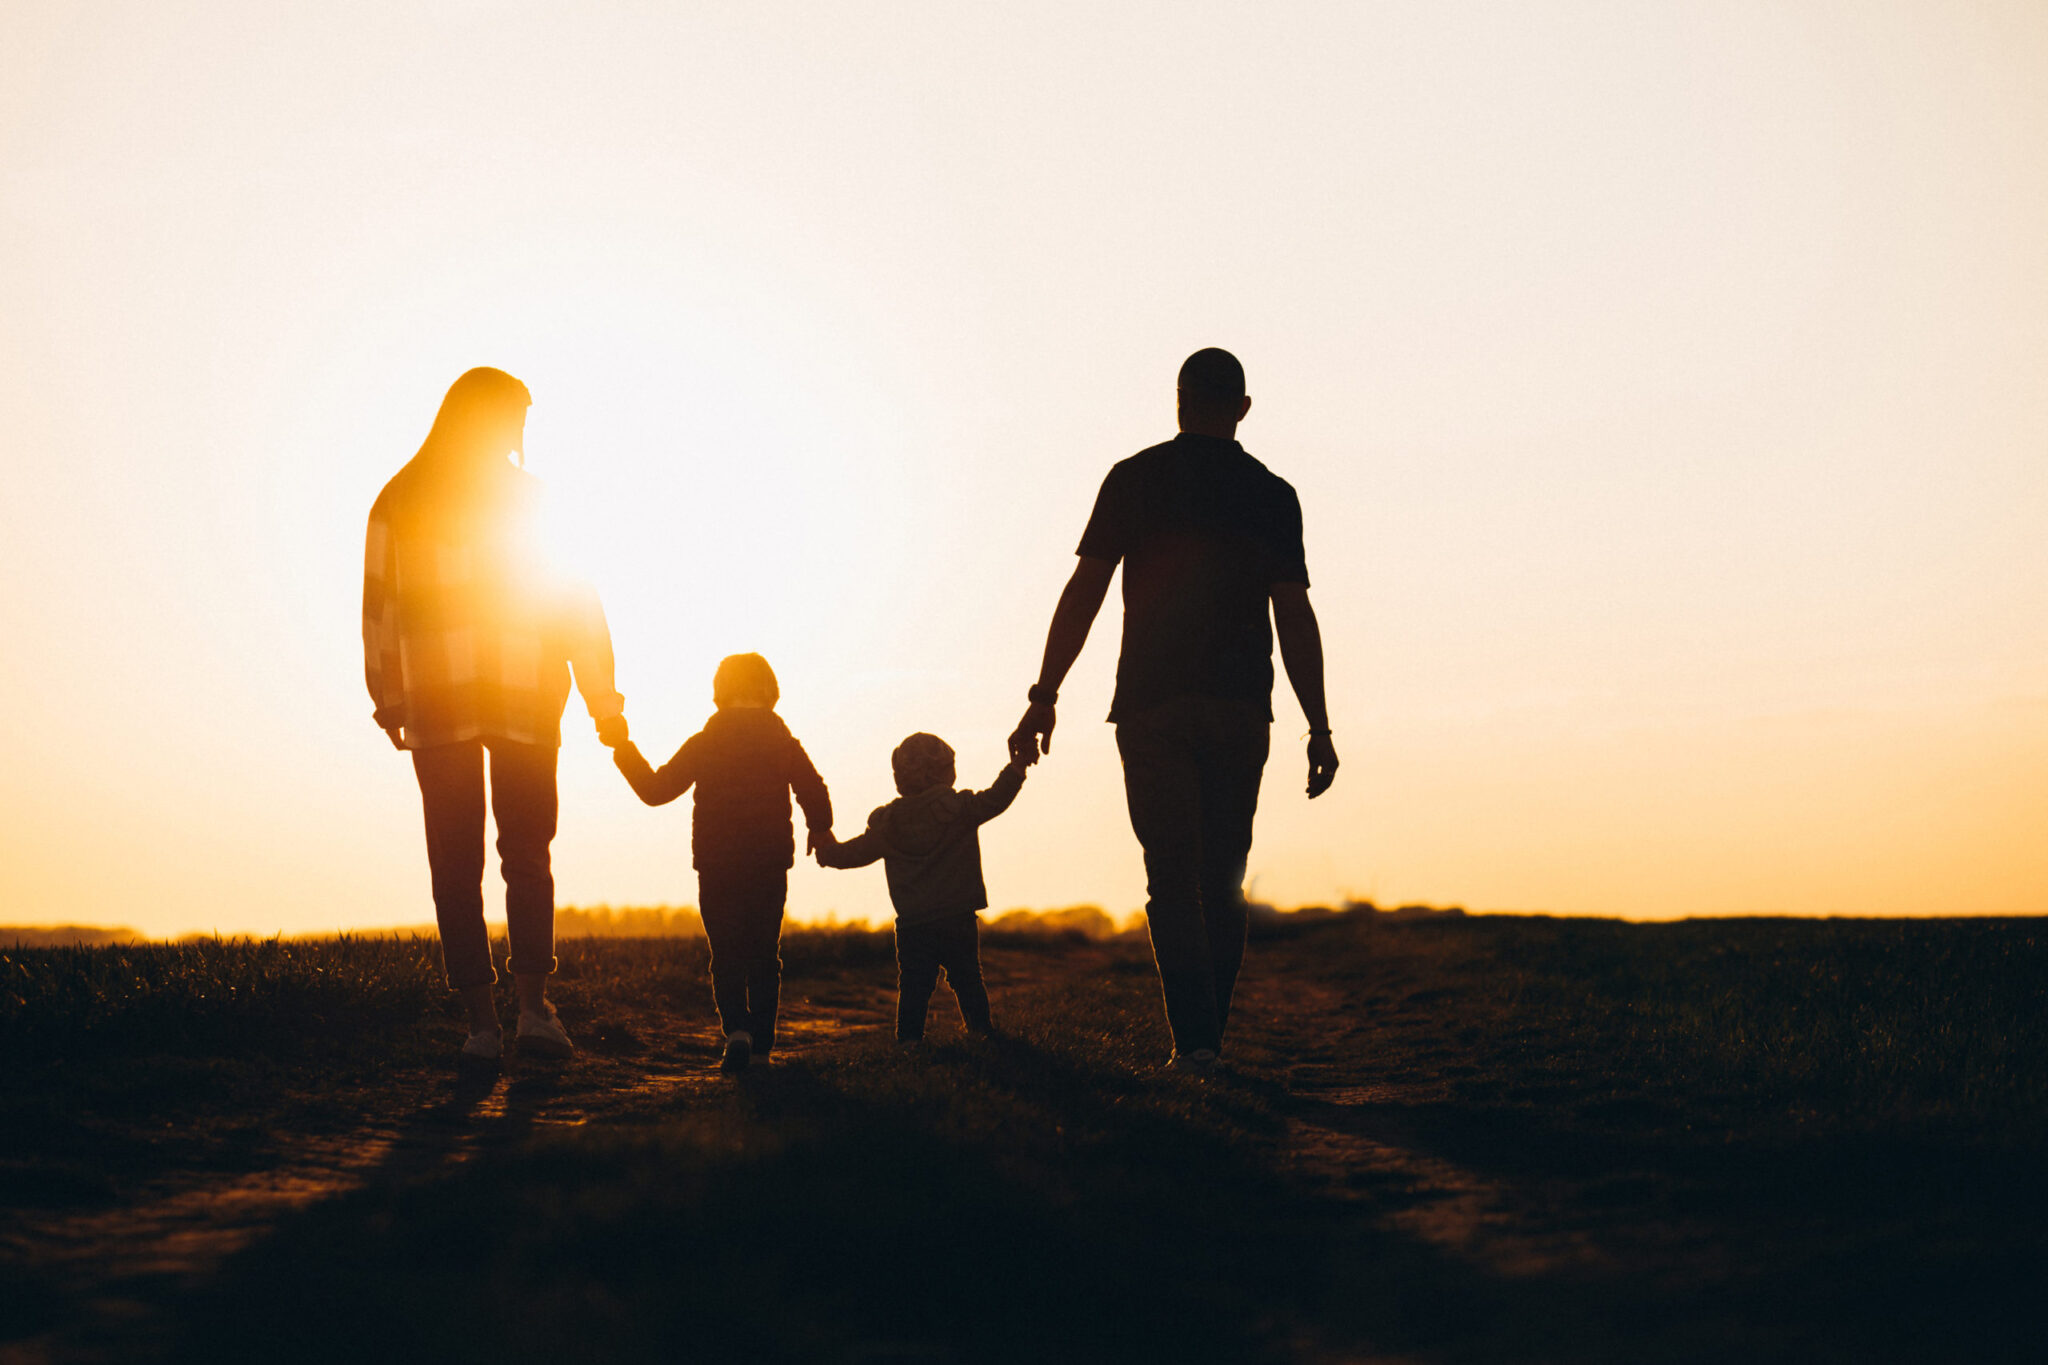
[1212, 396]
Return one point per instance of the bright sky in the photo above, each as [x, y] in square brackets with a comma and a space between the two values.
[1666, 387]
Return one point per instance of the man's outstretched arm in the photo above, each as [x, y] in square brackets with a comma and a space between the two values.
[1301, 650]
[1080, 600]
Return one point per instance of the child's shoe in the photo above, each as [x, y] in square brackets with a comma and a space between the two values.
[739, 1050]
[485, 1045]
[543, 1035]
[1200, 1060]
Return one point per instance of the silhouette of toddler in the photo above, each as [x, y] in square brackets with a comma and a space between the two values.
[928, 845]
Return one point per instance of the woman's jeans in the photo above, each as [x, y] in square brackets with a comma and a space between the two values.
[742, 910]
[522, 797]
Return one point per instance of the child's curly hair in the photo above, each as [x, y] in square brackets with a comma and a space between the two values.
[744, 680]
[922, 762]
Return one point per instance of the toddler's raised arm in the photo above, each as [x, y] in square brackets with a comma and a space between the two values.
[1000, 793]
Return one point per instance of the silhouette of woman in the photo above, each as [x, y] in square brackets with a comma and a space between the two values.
[468, 643]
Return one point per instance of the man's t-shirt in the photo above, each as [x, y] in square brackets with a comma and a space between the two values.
[1204, 532]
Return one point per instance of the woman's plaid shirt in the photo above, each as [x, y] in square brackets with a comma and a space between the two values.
[466, 633]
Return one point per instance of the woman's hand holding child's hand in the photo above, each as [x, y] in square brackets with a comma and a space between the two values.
[612, 731]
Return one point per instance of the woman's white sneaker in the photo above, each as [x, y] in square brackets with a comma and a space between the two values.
[543, 1034]
[486, 1045]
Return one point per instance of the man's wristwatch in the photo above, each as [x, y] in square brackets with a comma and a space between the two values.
[1041, 695]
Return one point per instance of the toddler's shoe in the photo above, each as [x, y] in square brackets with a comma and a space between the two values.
[1200, 1060]
[543, 1035]
[739, 1050]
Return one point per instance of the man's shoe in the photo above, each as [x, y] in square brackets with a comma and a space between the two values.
[739, 1050]
[1200, 1060]
[542, 1035]
[485, 1045]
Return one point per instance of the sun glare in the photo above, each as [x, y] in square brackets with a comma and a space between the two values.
[714, 479]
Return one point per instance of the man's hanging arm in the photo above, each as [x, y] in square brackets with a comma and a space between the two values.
[1301, 652]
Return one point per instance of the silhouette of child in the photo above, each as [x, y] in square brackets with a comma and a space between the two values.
[928, 845]
[745, 764]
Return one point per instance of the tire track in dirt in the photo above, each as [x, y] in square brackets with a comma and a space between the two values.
[1345, 1135]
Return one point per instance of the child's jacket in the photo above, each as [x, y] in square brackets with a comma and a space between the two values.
[744, 764]
[929, 848]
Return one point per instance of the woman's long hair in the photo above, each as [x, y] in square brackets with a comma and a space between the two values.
[478, 405]
[448, 481]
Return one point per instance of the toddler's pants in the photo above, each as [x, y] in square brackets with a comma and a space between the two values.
[922, 950]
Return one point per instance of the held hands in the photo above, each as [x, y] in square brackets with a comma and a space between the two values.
[1322, 765]
[1033, 734]
[819, 843]
[612, 731]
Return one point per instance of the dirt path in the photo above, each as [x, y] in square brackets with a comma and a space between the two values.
[1346, 1136]
[121, 1268]
[1348, 1131]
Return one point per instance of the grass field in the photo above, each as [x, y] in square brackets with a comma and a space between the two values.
[1481, 1139]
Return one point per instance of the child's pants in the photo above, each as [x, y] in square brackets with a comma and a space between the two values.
[742, 909]
[953, 943]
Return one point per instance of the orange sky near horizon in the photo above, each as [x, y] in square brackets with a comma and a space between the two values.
[1666, 388]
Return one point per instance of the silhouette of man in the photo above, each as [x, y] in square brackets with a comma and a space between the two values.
[1208, 537]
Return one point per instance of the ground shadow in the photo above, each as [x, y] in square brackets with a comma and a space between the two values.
[808, 1222]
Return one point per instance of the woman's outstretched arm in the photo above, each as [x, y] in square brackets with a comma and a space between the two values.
[590, 657]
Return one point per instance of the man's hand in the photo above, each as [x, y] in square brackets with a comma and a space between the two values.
[396, 734]
[612, 731]
[1079, 601]
[1033, 734]
[1322, 765]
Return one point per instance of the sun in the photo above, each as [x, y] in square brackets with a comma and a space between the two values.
[706, 480]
